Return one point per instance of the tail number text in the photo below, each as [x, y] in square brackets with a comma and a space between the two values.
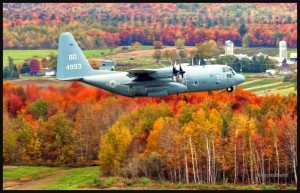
[73, 67]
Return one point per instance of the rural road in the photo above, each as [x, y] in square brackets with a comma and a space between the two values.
[35, 184]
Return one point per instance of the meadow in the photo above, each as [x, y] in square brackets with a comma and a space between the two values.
[62, 178]
[141, 57]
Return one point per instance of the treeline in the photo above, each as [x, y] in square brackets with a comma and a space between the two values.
[237, 138]
[37, 26]
[257, 64]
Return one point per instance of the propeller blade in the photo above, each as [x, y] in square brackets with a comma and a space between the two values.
[181, 72]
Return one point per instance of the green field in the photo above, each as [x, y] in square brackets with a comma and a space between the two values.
[268, 51]
[268, 85]
[64, 178]
[20, 55]
[254, 51]
[26, 172]
[88, 178]
[263, 81]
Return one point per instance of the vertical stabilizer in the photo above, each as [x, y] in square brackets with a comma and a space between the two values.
[71, 62]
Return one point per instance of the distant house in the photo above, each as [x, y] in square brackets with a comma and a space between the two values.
[241, 56]
[293, 57]
[107, 65]
[261, 54]
[284, 69]
[281, 61]
[50, 72]
[271, 73]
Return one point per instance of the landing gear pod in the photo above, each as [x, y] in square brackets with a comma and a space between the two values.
[231, 89]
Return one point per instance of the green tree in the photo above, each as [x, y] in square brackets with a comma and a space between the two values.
[25, 68]
[207, 49]
[247, 42]
[98, 41]
[12, 68]
[179, 43]
[242, 29]
[39, 109]
[182, 53]
[57, 139]
[52, 62]
[231, 61]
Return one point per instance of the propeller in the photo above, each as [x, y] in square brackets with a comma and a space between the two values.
[178, 73]
[175, 71]
[181, 72]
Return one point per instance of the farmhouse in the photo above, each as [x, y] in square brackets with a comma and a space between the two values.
[271, 72]
[50, 72]
[293, 57]
[284, 69]
[107, 65]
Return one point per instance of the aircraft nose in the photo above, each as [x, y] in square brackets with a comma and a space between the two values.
[239, 79]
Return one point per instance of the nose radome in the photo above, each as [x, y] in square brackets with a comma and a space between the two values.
[240, 78]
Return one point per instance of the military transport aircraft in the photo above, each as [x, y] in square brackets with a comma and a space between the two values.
[72, 65]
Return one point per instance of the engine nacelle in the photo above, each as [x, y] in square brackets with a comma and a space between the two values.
[165, 90]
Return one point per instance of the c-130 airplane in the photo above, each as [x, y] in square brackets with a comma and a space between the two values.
[72, 65]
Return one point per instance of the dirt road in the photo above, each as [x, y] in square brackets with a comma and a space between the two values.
[32, 185]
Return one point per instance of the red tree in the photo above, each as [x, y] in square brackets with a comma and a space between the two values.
[14, 104]
[34, 66]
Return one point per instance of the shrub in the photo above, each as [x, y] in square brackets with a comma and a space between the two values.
[97, 182]
[144, 180]
[288, 77]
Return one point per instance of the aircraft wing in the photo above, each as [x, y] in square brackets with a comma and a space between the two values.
[148, 74]
[141, 73]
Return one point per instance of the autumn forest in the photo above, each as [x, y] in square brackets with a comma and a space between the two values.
[238, 137]
[36, 26]
[234, 138]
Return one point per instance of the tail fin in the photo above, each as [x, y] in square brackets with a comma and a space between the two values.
[71, 62]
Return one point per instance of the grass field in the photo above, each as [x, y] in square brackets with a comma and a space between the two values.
[268, 51]
[268, 85]
[254, 51]
[48, 178]
[263, 81]
[25, 172]
[88, 178]
[141, 59]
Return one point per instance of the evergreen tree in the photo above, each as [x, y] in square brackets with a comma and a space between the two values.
[243, 29]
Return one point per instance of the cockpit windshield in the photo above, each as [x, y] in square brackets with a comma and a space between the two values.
[233, 72]
[226, 69]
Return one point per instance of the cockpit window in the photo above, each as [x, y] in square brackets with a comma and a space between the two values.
[232, 71]
[226, 69]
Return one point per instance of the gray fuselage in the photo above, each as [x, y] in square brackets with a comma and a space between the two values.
[195, 79]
